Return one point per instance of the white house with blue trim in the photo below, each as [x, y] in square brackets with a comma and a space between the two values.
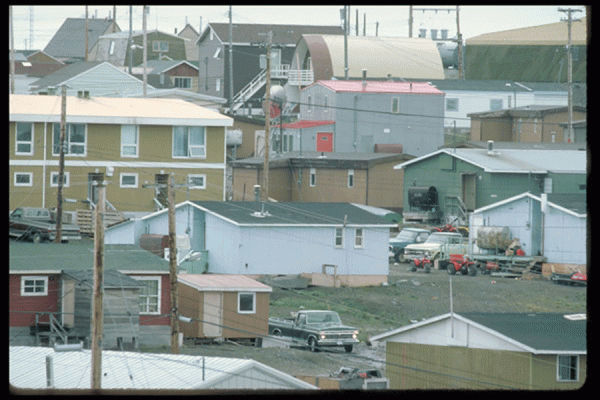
[254, 238]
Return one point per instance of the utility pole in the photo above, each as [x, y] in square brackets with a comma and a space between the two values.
[87, 34]
[172, 259]
[145, 44]
[98, 293]
[461, 72]
[410, 21]
[569, 12]
[346, 28]
[130, 41]
[61, 163]
[173, 269]
[267, 120]
[12, 51]
[230, 62]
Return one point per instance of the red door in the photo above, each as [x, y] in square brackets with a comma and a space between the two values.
[325, 141]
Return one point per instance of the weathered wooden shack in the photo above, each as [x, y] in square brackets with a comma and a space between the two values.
[121, 303]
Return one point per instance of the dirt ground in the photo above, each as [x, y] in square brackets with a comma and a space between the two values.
[408, 297]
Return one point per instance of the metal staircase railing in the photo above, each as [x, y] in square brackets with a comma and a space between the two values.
[250, 89]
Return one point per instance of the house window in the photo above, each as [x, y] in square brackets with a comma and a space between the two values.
[339, 237]
[358, 238]
[197, 181]
[325, 104]
[350, 178]
[309, 104]
[34, 286]
[313, 177]
[496, 104]
[129, 180]
[75, 140]
[567, 368]
[150, 294]
[451, 104]
[129, 141]
[54, 179]
[218, 85]
[182, 82]
[24, 139]
[23, 179]
[189, 141]
[160, 46]
[246, 303]
[217, 54]
[111, 48]
[395, 105]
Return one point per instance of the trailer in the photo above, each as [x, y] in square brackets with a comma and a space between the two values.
[501, 255]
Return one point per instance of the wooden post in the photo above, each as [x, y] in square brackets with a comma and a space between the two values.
[61, 163]
[98, 294]
[267, 121]
[173, 269]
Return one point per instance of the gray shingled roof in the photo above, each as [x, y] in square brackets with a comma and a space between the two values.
[69, 40]
[293, 214]
[282, 34]
[540, 331]
[79, 255]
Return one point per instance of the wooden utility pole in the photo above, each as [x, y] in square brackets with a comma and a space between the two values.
[461, 72]
[172, 259]
[145, 51]
[87, 34]
[230, 61]
[173, 269]
[267, 120]
[569, 12]
[98, 293]
[61, 163]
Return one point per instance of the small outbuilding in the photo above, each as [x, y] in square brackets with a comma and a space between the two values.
[223, 306]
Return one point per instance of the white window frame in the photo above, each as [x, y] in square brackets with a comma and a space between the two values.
[160, 46]
[218, 85]
[29, 174]
[218, 52]
[313, 177]
[559, 377]
[111, 47]
[239, 309]
[190, 146]
[24, 142]
[182, 82]
[128, 174]
[135, 145]
[192, 176]
[68, 144]
[339, 238]
[351, 178]
[359, 239]
[159, 294]
[44, 292]
[54, 179]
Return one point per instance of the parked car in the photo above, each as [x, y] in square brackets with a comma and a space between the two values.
[38, 225]
[404, 238]
[453, 242]
[315, 328]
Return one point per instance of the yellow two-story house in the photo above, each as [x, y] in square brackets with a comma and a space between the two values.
[132, 144]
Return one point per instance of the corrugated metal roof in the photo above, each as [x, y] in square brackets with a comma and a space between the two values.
[282, 34]
[409, 58]
[516, 160]
[129, 370]
[223, 282]
[381, 87]
[152, 111]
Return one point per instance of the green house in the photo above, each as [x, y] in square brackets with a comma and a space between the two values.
[467, 179]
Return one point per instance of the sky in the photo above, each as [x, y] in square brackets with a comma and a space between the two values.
[390, 20]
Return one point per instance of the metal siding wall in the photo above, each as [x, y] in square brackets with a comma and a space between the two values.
[565, 238]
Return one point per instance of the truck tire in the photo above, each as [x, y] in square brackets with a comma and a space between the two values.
[348, 348]
[312, 344]
[276, 332]
[451, 269]
[36, 237]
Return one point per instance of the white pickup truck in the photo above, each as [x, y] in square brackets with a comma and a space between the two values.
[38, 225]
[453, 242]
